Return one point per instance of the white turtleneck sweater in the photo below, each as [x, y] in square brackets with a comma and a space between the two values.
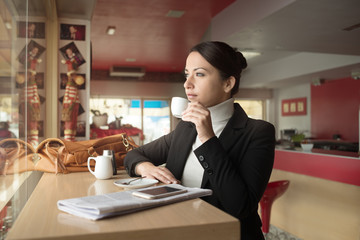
[220, 115]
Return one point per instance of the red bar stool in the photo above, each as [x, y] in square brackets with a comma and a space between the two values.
[273, 191]
[3, 214]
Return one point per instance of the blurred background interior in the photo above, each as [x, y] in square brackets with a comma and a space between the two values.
[303, 76]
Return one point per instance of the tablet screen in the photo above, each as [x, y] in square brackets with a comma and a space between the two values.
[160, 190]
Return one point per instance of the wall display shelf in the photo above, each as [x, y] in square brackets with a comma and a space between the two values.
[74, 79]
[29, 61]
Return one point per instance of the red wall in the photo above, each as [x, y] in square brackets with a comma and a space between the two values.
[335, 109]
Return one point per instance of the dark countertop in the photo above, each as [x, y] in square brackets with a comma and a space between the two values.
[324, 146]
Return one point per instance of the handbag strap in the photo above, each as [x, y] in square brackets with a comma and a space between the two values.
[55, 155]
[131, 143]
[43, 143]
[127, 141]
[8, 157]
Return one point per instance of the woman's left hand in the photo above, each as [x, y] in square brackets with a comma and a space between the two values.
[200, 116]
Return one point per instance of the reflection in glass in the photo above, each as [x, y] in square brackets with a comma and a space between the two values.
[156, 119]
[22, 73]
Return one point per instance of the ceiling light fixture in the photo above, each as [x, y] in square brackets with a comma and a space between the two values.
[130, 60]
[355, 74]
[317, 81]
[250, 54]
[175, 13]
[8, 25]
[110, 30]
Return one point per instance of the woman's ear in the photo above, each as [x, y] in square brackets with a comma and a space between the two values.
[229, 84]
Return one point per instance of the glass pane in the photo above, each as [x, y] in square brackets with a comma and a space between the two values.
[152, 116]
[8, 121]
[133, 114]
[156, 119]
[8, 115]
[21, 85]
[126, 110]
[253, 108]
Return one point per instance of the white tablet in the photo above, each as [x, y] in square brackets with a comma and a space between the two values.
[159, 192]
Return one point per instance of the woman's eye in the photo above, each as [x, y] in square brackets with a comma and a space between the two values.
[200, 74]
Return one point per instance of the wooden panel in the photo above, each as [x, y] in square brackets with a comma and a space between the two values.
[317, 209]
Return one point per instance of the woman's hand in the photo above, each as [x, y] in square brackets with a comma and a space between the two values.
[149, 170]
[200, 116]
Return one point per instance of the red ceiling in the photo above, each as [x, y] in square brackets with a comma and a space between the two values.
[144, 33]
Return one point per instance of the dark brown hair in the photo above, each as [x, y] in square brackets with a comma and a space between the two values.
[223, 57]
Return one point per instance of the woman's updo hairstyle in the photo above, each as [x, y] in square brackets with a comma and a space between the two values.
[223, 57]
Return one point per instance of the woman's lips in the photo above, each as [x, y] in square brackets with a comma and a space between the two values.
[191, 96]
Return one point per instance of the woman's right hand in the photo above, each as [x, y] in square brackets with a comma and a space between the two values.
[201, 117]
[149, 170]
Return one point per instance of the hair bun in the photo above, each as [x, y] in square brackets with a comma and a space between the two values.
[241, 60]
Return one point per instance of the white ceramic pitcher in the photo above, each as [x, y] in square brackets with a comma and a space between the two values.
[103, 167]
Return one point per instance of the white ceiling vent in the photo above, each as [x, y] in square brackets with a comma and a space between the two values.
[355, 74]
[119, 71]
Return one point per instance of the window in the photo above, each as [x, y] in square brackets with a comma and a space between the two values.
[156, 119]
[152, 116]
[253, 108]
[128, 110]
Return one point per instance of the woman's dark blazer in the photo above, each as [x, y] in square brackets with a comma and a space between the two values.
[237, 165]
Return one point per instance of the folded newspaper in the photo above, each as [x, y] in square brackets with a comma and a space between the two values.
[118, 203]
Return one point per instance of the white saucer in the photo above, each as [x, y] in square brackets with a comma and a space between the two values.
[140, 183]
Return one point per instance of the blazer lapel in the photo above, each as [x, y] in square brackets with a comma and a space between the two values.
[231, 133]
[233, 128]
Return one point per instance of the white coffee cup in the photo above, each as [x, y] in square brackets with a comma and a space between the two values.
[103, 167]
[178, 105]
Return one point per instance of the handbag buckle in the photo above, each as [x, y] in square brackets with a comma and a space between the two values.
[91, 152]
[126, 143]
[35, 157]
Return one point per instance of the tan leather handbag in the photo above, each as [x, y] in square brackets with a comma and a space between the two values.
[57, 156]
[16, 156]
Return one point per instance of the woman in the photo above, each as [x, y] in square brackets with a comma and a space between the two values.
[215, 146]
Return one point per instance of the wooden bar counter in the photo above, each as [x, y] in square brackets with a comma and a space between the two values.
[41, 219]
[322, 201]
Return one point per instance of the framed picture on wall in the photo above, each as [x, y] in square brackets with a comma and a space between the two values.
[20, 80]
[34, 51]
[39, 79]
[72, 32]
[72, 56]
[81, 108]
[64, 79]
[31, 29]
[293, 107]
[81, 129]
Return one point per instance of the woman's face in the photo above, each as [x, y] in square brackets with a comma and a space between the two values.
[203, 82]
